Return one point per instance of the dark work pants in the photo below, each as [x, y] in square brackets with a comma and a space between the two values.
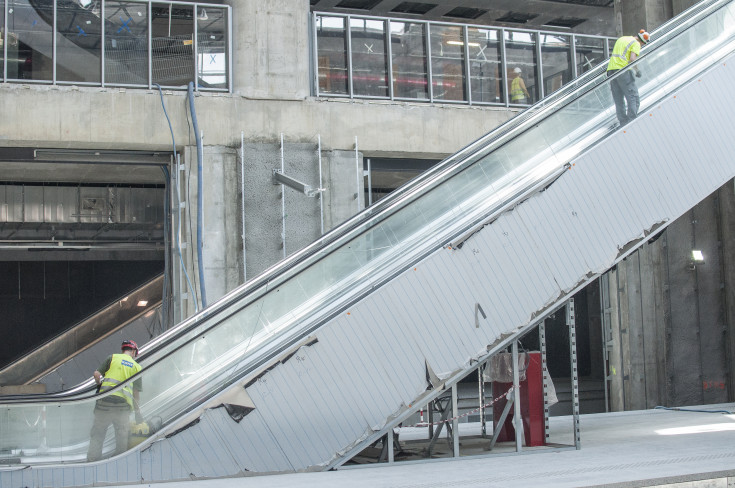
[106, 414]
[624, 92]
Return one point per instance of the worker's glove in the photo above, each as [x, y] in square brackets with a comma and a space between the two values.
[138, 417]
[638, 74]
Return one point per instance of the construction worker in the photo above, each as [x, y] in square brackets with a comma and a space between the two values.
[115, 409]
[624, 91]
[518, 92]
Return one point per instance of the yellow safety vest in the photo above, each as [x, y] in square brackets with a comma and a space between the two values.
[621, 52]
[122, 367]
[516, 92]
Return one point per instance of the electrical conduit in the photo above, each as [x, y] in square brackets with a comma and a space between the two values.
[202, 288]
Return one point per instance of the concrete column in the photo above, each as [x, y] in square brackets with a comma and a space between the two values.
[633, 15]
[270, 48]
[727, 230]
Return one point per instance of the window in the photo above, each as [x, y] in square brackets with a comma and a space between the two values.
[520, 53]
[486, 78]
[211, 48]
[126, 43]
[369, 60]
[589, 52]
[30, 45]
[172, 44]
[556, 61]
[332, 49]
[447, 62]
[410, 74]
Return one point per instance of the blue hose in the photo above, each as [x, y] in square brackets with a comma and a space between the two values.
[200, 212]
[178, 244]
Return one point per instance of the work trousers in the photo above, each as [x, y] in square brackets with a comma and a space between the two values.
[624, 92]
[106, 414]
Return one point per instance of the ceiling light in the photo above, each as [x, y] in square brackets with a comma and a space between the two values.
[460, 43]
[142, 303]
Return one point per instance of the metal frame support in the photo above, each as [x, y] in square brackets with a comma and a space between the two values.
[321, 185]
[571, 322]
[517, 419]
[283, 203]
[545, 373]
[279, 178]
[444, 409]
[481, 394]
[455, 422]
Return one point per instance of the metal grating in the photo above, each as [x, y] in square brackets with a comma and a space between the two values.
[516, 17]
[413, 8]
[465, 13]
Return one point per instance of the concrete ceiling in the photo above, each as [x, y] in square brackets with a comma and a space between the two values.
[591, 16]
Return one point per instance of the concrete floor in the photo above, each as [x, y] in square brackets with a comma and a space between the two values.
[630, 449]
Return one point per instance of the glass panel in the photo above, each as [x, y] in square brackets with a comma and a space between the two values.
[78, 36]
[332, 53]
[556, 61]
[520, 54]
[408, 45]
[172, 44]
[485, 65]
[212, 47]
[589, 51]
[447, 62]
[30, 45]
[126, 43]
[369, 58]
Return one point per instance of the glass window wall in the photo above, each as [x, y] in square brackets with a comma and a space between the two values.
[78, 42]
[556, 61]
[172, 44]
[486, 78]
[332, 59]
[456, 63]
[62, 41]
[520, 55]
[212, 66]
[369, 58]
[30, 40]
[589, 52]
[447, 62]
[410, 68]
[126, 43]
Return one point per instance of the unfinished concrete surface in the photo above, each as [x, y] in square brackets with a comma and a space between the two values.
[649, 448]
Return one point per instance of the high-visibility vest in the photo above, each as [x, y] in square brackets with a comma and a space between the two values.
[516, 92]
[121, 368]
[621, 52]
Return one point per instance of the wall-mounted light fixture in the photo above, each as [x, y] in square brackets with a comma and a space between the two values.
[696, 258]
[142, 303]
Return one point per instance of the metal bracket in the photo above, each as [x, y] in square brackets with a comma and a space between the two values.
[280, 178]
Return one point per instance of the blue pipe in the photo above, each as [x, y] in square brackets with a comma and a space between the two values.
[200, 216]
[176, 235]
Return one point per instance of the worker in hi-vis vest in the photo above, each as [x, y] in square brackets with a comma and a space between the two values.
[623, 87]
[115, 409]
[518, 92]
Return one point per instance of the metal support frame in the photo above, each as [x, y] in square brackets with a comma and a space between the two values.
[321, 184]
[607, 343]
[283, 204]
[442, 403]
[481, 396]
[510, 401]
[455, 422]
[279, 178]
[517, 418]
[358, 171]
[545, 373]
[242, 203]
[571, 322]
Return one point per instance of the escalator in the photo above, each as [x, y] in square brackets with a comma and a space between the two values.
[67, 359]
[328, 350]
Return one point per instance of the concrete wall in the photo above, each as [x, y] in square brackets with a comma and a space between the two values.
[672, 323]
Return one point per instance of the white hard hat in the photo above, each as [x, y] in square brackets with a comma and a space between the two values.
[644, 36]
[517, 70]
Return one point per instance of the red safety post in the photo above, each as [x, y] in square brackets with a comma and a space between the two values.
[532, 405]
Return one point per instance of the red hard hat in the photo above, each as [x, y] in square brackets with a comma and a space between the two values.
[130, 345]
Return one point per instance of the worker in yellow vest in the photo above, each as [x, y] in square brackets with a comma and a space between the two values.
[518, 92]
[623, 87]
[115, 408]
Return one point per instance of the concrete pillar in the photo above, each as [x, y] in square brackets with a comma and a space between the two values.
[727, 230]
[633, 15]
[270, 48]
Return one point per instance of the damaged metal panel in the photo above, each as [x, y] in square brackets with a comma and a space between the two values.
[201, 451]
[159, 461]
